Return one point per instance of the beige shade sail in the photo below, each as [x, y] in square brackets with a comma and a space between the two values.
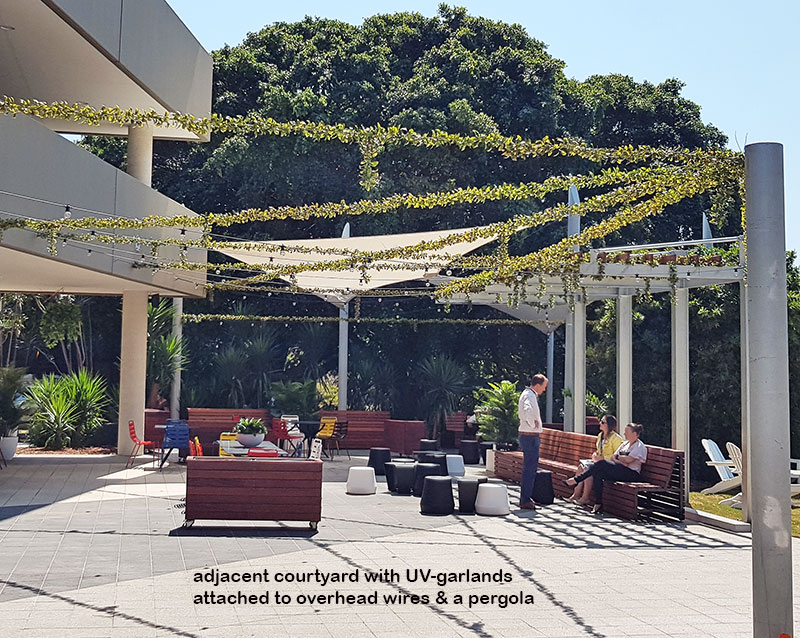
[356, 280]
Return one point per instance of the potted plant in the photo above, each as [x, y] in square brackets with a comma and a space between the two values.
[12, 410]
[250, 432]
[498, 420]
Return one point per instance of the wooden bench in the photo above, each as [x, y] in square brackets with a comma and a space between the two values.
[260, 489]
[658, 496]
[207, 423]
[365, 428]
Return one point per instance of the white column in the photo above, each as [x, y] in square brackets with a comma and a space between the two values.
[548, 410]
[343, 337]
[768, 358]
[745, 391]
[177, 332]
[140, 153]
[132, 368]
[624, 360]
[569, 371]
[680, 377]
[579, 367]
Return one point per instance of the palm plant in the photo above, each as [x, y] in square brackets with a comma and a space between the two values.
[88, 393]
[165, 356]
[12, 414]
[442, 385]
[296, 397]
[66, 409]
[497, 410]
[261, 352]
[232, 371]
[53, 423]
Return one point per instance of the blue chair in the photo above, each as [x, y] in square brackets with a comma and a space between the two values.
[176, 436]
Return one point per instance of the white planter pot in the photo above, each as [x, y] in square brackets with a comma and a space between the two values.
[250, 440]
[490, 462]
[8, 444]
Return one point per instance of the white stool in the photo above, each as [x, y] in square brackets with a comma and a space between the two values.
[492, 500]
[455, 465]
[361, 480]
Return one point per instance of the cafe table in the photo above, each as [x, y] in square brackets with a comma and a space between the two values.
[237, 449]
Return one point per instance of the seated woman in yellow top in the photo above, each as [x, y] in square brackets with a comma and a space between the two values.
[608, 442]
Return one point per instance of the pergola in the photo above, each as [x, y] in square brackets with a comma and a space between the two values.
[344, 285]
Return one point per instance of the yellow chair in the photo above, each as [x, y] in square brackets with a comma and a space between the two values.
[226, 436]
[327, 425]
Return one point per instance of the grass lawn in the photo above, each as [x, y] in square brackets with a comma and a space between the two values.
[710, 503]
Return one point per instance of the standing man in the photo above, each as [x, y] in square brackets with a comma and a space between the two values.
[530, 428]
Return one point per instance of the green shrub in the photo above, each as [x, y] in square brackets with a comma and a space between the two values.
[66, 409]
[12, 414]
[497, 411]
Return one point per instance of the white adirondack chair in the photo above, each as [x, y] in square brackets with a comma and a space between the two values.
[728, 479]
[736, 457]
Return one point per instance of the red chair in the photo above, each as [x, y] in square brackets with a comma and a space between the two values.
[139, 445]
[262, 452]
[280, 432]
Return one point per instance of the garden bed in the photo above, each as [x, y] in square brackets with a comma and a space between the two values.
[68, 450]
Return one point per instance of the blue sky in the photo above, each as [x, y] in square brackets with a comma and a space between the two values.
[739, 59]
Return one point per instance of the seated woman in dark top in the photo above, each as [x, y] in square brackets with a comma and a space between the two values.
[624, 465]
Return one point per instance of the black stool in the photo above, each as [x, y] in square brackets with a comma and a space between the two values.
[468, 492]
[423, 470]
[428, 444]
[377, 457]
[404, 474]
[485, 445]
[441, 459]
[543, 487]
[389, 469]
[471, 452]
[437, 496]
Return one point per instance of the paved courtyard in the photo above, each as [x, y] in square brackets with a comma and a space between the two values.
[95, 550]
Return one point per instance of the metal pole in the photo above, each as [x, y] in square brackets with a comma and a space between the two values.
[745, 391]
[573, 228]
[624, 360]
[177, 332]
[548, 410]
[569, 371]
[579, 367]
[680, 378]
[768, 360]
[343, 325]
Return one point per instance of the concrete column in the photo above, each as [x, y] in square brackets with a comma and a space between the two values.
[768, 359]
[177, 332]
[745, 391]
[140, 153]
[680, 377]
[343, 346]
[569, 372]
[132, 368]
[624, 360]
[579, 370]
[548, 410]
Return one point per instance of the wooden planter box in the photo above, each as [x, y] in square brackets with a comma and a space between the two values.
[402, 437]
[258, 489]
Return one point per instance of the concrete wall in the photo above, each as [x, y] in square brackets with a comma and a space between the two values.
[149, 41]
[38, 163]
